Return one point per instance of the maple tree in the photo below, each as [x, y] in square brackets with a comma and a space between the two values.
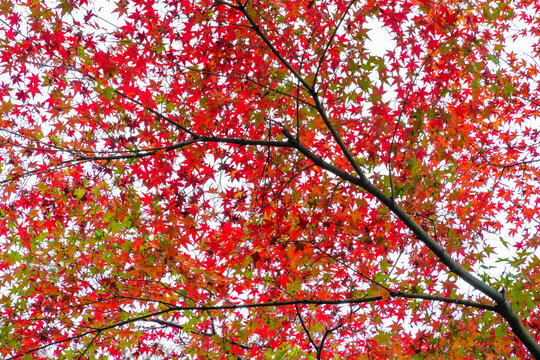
[252, 179]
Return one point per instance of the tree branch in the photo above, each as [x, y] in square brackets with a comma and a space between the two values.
[266, 40]
[147, 317]
[323, 56]
[402, 111]
[79, 156]
[247, 78]
[502, 307]
[306, 329]
[180, 327]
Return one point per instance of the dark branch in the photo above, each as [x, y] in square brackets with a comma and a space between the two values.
[148, 317]
[306, 330]
[329, 43]
[180, 327]
[503, 307]
[80, 157]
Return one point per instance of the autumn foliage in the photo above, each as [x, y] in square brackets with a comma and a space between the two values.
[265, 179]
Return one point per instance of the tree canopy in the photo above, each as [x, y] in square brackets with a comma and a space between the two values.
[264, 179]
